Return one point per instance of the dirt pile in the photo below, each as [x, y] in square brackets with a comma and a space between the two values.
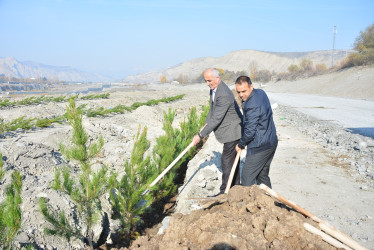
[245, 219]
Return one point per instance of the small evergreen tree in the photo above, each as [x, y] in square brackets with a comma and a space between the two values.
[164, 153]
[129, 200]
[86, 191]
[170, 145]
[2, 171]
[10, 211]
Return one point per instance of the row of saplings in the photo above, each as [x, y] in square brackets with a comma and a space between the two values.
[127, 196]
[29, 123]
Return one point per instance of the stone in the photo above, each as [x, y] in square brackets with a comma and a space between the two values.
[164, 226]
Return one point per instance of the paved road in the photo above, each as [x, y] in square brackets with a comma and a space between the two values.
[357, 115]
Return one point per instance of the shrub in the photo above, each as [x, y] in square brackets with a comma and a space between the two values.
[2, 171]
[306, 65]
[5, 103]
[20, 122]
[100, 96]
[163, 79]
[293, 68]
[364, 45]
[321, 67]
[10, 211]
[263, 75]
[45, 122]
[182, 78]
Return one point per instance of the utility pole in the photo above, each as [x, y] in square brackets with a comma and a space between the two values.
[333, 46]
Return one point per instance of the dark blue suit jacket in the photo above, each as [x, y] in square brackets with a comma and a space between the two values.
[259, 131]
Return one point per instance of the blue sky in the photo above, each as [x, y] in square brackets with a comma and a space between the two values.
[119, 38]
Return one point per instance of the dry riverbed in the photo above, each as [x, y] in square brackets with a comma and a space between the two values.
[306, 169]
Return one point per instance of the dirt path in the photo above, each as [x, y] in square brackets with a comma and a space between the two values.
[309, 175]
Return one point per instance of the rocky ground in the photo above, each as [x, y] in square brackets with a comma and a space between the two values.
[319, 166]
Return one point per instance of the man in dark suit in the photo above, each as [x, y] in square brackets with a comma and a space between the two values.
[259, 134]
[224, 119]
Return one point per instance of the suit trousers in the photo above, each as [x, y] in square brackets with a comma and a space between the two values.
[227, 160]
[257, 166]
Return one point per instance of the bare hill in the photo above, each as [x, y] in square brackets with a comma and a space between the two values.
[356, 82]
[11, 67]
[241, 60]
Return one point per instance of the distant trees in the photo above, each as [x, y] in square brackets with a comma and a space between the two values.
[293, 68]
[6, 79]
[253, 69]
[364, 45]
[306, 65]
[182, 78]
[263, 76]
[163, 79]
[304, 69]
[321, 67]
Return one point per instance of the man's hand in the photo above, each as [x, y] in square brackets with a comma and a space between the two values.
[237, 148]
[196, 140]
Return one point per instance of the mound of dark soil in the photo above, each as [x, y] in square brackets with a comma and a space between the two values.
[245, 219]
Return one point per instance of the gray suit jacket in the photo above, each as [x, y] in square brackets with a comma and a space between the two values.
[224, 116]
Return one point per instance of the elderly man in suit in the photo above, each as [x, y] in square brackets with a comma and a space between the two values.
[224, 119]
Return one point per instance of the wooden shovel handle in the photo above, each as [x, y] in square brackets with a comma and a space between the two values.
[322, 224]
[325, 237]
[232, 172]
[168, 168]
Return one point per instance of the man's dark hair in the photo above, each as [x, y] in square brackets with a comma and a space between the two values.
[243, 79]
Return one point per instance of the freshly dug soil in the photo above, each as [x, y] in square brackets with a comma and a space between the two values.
[245, 219]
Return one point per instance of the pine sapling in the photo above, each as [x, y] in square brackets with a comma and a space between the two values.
[164, 152]
[85, 191]
[128, 200]
[170, 145]
[2, 170]
[10, 211]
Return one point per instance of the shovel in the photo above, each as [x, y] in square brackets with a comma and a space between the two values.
[232, 172]
[322, 224]
[168, 168]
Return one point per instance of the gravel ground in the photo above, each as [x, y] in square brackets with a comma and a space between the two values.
[318, 164]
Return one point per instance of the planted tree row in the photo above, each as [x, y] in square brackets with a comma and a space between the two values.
[127, 197]
[10, 211]
[29, 123]
[44, 99]
[122, 108]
